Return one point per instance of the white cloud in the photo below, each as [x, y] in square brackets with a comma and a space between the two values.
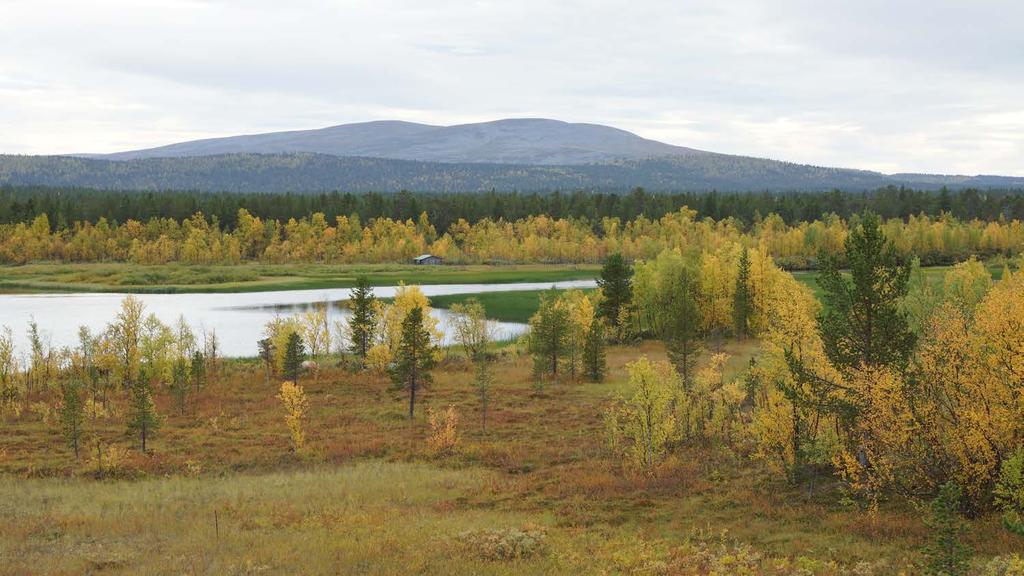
[895, 86]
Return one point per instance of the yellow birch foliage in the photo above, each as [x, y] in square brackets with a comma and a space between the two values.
[378, 358]
[444, 434]
[771, 426]
[960, 411]
[278, 330]
[780, 429]
[316, 331]
[390, 317]
[709, 405]
[717, 288]
[641, 428]
[581, 314]
[293, 398]
[532, 239]
[966, 284]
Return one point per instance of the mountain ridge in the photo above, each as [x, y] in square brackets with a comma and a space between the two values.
[527, 141]
[524, 154]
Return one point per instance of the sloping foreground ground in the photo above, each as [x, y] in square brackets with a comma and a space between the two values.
[221, 493]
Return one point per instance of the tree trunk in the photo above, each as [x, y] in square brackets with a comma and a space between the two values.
[412, 396]
[483, 414]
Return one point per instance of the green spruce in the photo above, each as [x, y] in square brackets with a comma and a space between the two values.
[946, 554]
[680, 325]
[415, 357]
[743, 300]
[594, 362]
[363, 320]
[616, 290]
[862, 323]
[294, 356]
[549, 334]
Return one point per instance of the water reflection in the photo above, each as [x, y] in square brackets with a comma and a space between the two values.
[238, 319]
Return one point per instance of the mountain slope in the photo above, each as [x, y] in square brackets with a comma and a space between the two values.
[319, 172]
[513, 154]
[531, 141]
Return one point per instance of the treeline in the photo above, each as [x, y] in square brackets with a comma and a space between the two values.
[534, 239]
[64, 207]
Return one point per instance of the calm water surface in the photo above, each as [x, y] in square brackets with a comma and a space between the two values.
[238, 319]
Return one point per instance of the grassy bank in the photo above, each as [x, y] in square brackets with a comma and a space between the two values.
[249, 277]
[934, 274]
[520, 306]
[516, 306]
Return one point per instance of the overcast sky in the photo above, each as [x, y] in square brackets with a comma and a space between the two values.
[890, 85]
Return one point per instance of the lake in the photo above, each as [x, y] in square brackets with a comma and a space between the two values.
[237, 318]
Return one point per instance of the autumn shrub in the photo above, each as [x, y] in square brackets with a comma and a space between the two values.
[42, 412]
[722, 556]
[1004, 566]
[1009, 492]
[109, 460]
[99, 411]
[640, 556]
[719, 558]
[504, 544]
[11, 408]
[642, 427]
[192, 468]
[444, 434]
[293, 398]
[378, 359]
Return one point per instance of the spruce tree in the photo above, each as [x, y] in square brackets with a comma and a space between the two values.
[294, 355]
[947, 555]
[549, 333]
[615, 287]
[362, 321]
[862, 323]
[72, 413]
[743, 300]
[680, 325]
[266, 352]
[143, 419]
[197, 370]
[180, 383]
[594, 363]
[414, 358]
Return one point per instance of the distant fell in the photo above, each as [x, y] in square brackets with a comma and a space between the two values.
[529, 141]
[524, 154]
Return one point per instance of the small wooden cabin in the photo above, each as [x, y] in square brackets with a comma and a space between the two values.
[427, 259]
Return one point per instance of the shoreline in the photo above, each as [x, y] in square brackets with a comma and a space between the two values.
[121, 278]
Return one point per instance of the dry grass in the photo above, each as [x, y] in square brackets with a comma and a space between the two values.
[368, 497]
